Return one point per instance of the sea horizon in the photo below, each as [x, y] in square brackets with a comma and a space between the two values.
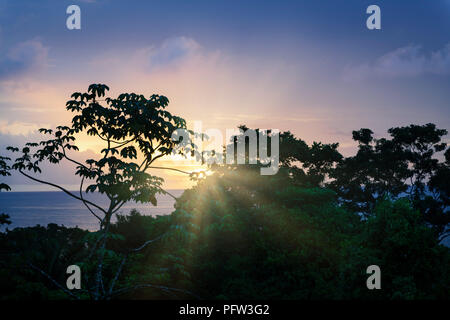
[31, 208]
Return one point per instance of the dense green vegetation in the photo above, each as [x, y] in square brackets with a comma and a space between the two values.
[308, 232]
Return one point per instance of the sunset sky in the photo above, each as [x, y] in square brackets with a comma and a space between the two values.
[311, 67]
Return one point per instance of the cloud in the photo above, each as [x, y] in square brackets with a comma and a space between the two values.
[25, 57]
[62, 174]
[239, 118]
[409, 61]
[170, 52]
[18, 128]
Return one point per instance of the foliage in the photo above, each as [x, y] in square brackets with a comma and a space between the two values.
[50, 248]
[131, 127]
[271, 239]
[414, 265]
[404, 165]
[4, 171]
[308, 232]
[136, 131]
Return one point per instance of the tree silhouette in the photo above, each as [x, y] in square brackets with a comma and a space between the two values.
[136, 131]
[298, 234]
[4, 171]
[404, 165]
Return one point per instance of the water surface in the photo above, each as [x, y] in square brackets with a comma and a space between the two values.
[28, 209]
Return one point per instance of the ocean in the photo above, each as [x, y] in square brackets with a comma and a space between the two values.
[28, 209]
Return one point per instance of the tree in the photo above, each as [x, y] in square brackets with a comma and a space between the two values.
[136, 131]
[309, 166]
[26, 252]
[413, 264]
[269, 237]
[404, 165]
[4, 171]
[283, 236]
[289, 236]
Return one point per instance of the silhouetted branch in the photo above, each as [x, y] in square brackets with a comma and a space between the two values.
[42, 272]
[173, 169]
[116, 276]
[62, 189]
[85, 203]
[147, 243]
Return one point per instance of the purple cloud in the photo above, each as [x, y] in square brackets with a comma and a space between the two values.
[409, 61]
[23, 58]
[171, 51]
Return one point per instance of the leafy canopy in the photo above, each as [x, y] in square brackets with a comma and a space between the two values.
[135, 131]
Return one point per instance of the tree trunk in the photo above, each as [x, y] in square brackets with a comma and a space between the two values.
[98, 289]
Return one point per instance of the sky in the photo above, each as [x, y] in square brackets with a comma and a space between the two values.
[311, 67]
